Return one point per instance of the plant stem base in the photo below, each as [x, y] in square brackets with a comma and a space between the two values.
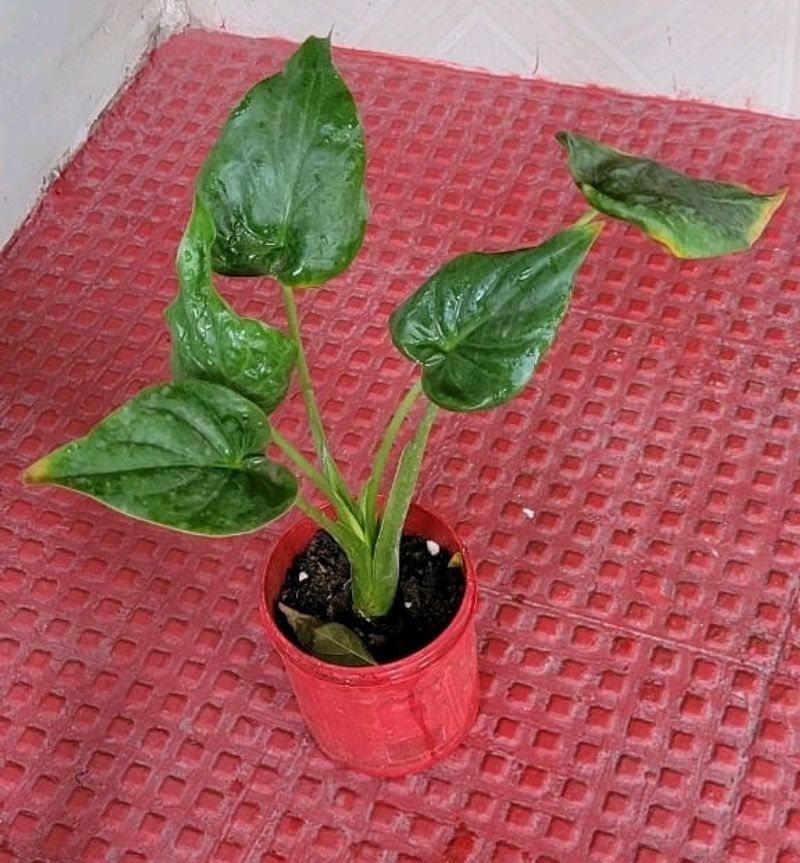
[393, 719]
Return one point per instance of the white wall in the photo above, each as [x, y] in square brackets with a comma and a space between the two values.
[62, 61]
[734, 52]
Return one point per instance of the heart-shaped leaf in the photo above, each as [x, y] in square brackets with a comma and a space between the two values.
[333, 642]
[210, 341]
[480, 325]
[187, 455]
[285, 181]
[692, 218]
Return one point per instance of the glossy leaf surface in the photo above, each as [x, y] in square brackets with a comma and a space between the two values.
[693, 218]
[210, 341]
[285, 181]
[480, 325]
[187, 455]
[333, 642]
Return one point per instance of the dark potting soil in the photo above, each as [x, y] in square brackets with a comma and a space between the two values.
[429, 593]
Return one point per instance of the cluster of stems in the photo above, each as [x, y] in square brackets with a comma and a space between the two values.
[369, 540]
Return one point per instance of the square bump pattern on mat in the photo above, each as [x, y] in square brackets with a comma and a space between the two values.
[635, 514]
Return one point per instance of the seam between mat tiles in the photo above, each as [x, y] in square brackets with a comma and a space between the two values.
[765, 673]
[635, 633]
[278, 802]
[768, 677]
[774, 353]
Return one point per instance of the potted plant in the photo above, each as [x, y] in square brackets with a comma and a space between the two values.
[369, 599]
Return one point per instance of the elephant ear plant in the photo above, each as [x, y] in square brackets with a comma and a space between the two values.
[282, 195]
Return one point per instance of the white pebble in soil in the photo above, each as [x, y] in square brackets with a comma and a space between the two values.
[302, 576]
[407, 604]
[433, 547]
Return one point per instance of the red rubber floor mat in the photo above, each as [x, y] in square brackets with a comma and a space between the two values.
[635, 513]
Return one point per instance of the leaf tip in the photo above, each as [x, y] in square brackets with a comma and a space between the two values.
[322, 43]
[670, 243]
[303, 625]
[595, 226]
[771, 204]
[563, 137]
[38, 472]
[590, 227]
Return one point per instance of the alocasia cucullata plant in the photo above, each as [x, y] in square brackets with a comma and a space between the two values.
[282, 194]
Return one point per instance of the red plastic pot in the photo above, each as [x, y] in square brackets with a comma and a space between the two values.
[392, 719]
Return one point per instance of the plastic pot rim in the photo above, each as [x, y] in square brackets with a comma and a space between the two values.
[369, 675]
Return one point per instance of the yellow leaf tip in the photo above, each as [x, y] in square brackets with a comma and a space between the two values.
[774, 201]
[37, 472]
[771, 204]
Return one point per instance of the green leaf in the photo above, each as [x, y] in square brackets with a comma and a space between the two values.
[692, 218]
[210, 341]
[333, 642]
[285, 181]
[480, 325]
[303, 625]
[187, 455]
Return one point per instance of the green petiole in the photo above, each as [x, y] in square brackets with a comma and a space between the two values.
[369, 495]
[374, 597]
[340, 493]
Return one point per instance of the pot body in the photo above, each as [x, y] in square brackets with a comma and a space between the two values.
[392, 719]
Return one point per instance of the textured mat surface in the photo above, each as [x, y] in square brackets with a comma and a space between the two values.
[635, 513]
